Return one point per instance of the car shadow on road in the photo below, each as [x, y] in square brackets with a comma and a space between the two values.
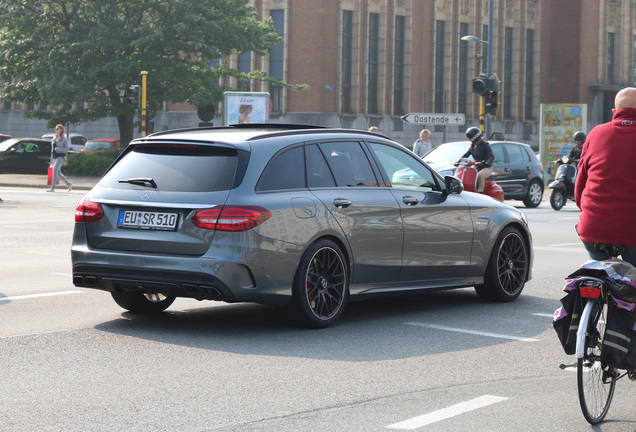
[369, 330]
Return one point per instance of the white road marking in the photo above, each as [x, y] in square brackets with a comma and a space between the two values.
[474, 332]
[446, 413]
[560, 249]
[30, 296]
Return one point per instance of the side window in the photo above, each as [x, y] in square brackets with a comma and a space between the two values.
[403, 169]
[286, 170]
[348, 164]
[318, 173]
[32, 147]
[516, 153]
[498, 151]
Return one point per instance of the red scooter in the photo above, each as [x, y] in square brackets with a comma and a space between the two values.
[467, 173]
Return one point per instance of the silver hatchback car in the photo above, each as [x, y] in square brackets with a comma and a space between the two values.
[287, 215]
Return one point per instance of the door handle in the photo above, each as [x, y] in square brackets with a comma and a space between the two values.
[341, 202]
[410, 201]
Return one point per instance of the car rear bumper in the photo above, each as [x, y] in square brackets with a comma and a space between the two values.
[197, 278]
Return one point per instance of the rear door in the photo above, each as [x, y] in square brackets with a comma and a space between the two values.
[340, 175]
[519, 169]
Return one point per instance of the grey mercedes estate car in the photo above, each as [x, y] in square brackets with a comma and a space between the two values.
[296, 216]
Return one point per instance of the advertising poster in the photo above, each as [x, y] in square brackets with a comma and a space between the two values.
[559, 123]
[245, 107]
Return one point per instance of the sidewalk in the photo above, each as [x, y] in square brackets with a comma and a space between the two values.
[39, 181]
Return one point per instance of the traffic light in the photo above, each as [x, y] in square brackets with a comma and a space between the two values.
[480, 85]
[133, 99]
[491, 102]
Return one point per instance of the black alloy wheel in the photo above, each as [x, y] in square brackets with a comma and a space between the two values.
[507, 269]
[321, 285]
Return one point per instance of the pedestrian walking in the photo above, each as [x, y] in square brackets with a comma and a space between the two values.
[59, 148]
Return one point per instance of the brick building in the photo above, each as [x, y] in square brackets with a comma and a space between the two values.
[368, 62]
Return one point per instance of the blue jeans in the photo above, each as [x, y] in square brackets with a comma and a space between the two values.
[57, 166]
[629, 253]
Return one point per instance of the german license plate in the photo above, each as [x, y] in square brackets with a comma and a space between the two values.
[149, 220]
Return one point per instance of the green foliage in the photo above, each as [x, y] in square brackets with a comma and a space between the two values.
[63, 51]
[90, 164]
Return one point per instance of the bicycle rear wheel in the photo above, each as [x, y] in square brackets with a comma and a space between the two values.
[595, 381]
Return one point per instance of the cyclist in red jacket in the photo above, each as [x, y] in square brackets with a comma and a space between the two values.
[605, 184]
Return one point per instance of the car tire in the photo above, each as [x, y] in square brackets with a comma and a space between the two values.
[137, 301]
[321, 286]
[557, 199]
[507, 269]
[534, 196]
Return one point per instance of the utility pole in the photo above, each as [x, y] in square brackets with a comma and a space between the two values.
[489, 61]
[487, 86]
[144, 111]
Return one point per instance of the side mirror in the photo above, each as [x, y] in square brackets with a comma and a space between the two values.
[453, 185]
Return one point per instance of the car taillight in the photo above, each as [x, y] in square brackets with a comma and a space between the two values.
[88, 211]
[230, 218]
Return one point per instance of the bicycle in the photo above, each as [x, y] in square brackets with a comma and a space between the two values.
[596, 380]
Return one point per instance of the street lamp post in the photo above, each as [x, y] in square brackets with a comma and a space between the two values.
[471, 38]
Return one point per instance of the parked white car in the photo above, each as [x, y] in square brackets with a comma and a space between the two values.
[77, 141]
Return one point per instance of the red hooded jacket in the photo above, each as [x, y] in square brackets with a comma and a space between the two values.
[606, 182]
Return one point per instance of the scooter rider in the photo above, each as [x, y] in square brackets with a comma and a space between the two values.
[575, 152]
[482, 154]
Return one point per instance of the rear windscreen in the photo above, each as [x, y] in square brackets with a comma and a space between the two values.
[175, 168]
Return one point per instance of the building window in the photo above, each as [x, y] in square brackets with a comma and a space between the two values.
[244, 66]
[529, 102]
[7, 105]
[610, 57]
[506, 97]
[439, 66]
[398, 68]
[276, 59]
[462, 88]
[374, 52]
[347, 60]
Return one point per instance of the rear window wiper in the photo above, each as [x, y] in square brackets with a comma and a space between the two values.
[147, 182]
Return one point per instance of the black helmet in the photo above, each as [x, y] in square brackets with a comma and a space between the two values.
[473, 133]
[580, 135]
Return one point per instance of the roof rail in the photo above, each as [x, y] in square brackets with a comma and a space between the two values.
[277, 126]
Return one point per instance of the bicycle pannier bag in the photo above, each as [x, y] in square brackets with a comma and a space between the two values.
[619, 343]
[566, 320]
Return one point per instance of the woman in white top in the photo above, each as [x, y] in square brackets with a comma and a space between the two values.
[59, 147]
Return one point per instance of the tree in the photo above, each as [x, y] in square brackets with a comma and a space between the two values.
[60, 52]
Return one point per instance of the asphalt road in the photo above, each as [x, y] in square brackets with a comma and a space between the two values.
[72, 360]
